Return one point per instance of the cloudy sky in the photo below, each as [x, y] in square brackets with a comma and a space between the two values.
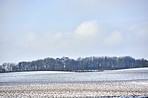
[36, 29]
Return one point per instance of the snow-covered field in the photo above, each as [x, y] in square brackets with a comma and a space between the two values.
[126, 82]
[42, 77]
[90, 89]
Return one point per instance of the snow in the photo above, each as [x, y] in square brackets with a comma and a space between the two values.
[41, 77]
[75, 90]
[126, 82]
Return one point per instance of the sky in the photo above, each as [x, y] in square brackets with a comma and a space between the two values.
[36, 29]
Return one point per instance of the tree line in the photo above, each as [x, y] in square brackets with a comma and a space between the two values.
[80, 64]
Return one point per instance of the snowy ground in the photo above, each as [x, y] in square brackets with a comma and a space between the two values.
[127, 82]
[130, 88]
[43, 77]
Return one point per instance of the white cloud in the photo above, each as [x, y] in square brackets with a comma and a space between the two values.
[86, 35]
[87, 39]
[140, 32]
[87, 29]
[137, 39]
[115, 38]
[44, 42]
[83, 37]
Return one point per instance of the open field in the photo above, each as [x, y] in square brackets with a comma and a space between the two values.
[127, 82]
[45, 77]
[130, 88]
